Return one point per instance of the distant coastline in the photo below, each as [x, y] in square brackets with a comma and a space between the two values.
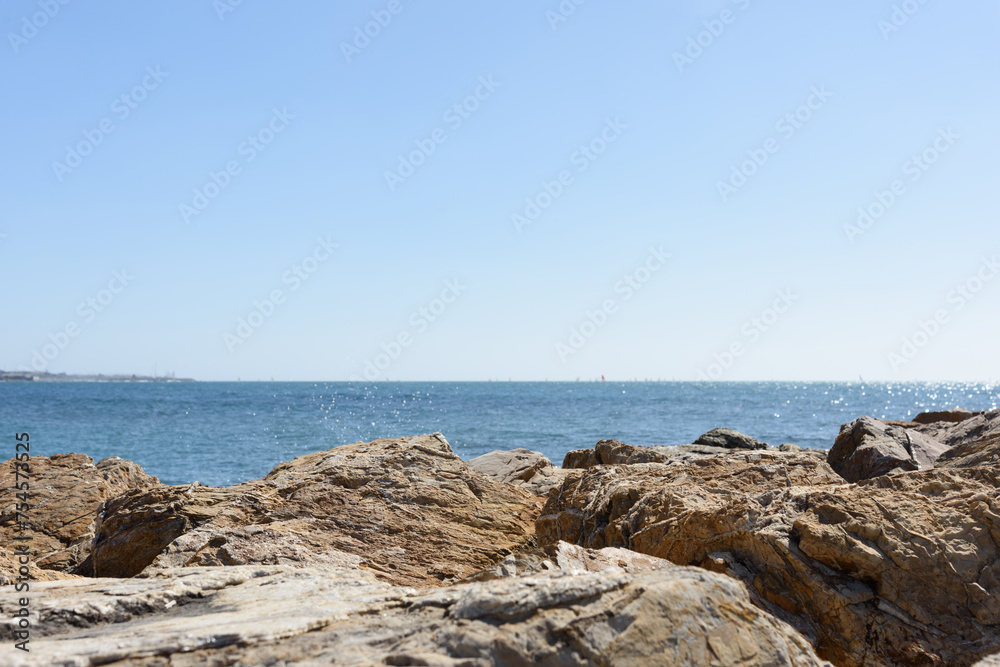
[31, 376]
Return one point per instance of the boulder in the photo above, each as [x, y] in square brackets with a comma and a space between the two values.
[407, 509]
[66, 491]
[614, 452]
[868, 447]
[899, 570]
[727, 438]
[973, 442]
[521, 467]
[580, 459]
[956, 415]
[254, 615]
[991, 661]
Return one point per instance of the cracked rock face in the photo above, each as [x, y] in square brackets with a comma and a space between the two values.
[868, 447]
[897, 570]
[66, 492]
[254, 615]
[521, 467]
[407, 509]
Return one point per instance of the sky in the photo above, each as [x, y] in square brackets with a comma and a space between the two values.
[721, 190]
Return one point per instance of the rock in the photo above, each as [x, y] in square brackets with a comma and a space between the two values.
[973, 442]
[899, 570]
[613, 452]
[789, 447]
[65, 493]
[408, 509]
[579, 458]
[521, 467]
[10, 566]
[868, 447]
[991, 661]
[727, 438]
[569, 557]
[956, 415]
[254, 615]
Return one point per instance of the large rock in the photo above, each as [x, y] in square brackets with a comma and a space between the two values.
[899, 570]
[727, 438]
[66, 491]
[521, 467]
[255, 615]
[408, 509]
[973, 442]
[955, 415]
[868, 447]
[614, 452]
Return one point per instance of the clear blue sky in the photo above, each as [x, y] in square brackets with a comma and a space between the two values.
[673, 129]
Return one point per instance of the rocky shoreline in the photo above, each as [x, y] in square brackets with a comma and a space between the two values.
[885, 550]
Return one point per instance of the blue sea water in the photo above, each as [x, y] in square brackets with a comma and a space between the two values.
[223, 433]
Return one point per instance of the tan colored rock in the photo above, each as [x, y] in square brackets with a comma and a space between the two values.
[727, 438]
[614, 452]
[868, 447]
[11, 564]
[991, 661]
[955, 415]
[255, 615]
[66, 491]
[974, 442]
[408, 509]
[521, 467]
[898, 570]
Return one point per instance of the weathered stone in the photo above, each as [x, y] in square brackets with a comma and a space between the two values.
[11, 562]
[899, 570]
[579, 459]
[521, 467]
[868, 447]
[614, 452]
[66, 491]
[991, 661]
[727, 438]
[408, 509]
[974, 442]
[255, 615]
[956, 415]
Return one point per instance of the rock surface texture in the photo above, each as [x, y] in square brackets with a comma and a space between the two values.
[408, 509]
[254, 615]
[727, 438]
[521, 467]
[868, 447]
[66, 492]
[896, 570]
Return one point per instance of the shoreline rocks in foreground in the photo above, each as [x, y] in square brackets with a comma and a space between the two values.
[723, 552]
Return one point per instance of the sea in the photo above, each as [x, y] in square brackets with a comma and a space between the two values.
[220, 433]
